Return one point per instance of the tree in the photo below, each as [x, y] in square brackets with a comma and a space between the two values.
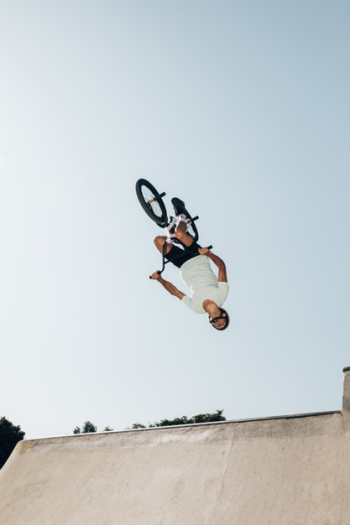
[172, 422]
[10, 435]
[200, 418]
[208, 418]
[138, 425]
[88, 427]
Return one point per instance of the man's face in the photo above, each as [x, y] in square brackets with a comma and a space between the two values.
[215, 313]
[219, 323]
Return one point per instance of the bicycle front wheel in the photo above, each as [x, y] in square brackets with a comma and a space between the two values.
[152, 202]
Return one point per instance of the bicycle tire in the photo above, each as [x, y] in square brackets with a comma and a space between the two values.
[151, 202]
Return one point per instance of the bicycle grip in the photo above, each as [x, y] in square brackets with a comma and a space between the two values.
[159, 272]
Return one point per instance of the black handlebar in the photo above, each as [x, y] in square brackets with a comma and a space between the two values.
[165, 262]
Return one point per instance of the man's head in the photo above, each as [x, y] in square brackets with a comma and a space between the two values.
[218, 317]
[221, 322]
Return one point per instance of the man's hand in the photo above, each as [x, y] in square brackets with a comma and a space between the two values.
[204, 251]
[222, 277]
[168, 286]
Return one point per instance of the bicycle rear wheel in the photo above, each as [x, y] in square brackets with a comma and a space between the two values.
[152, 202]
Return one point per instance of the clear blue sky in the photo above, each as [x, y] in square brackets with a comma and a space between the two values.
[239, 108]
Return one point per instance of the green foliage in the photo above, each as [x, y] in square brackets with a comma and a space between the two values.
[200, 418]
[88, 427]
[10, 435]
[172, 422]
[138, 425]
[208, 418]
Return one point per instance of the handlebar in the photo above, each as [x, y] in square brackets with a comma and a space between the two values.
[165, 262]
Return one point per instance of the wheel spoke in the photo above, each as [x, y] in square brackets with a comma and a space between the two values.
[151, 201]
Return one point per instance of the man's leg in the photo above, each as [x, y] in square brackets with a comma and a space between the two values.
[180, 234]
[159, 242]
[178, 256]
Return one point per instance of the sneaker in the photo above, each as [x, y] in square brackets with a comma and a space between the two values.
[179, 206]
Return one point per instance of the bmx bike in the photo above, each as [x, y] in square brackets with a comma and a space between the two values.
[152, 203]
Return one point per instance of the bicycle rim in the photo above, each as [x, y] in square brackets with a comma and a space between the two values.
[150, 201]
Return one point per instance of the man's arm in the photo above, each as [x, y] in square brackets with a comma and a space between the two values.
[222, 277]
[167, 285]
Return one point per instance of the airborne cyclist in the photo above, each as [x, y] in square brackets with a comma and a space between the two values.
[208, 291]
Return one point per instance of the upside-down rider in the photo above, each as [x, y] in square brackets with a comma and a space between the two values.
[208, 292]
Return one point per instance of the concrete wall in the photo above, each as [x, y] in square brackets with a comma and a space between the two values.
[279, 471]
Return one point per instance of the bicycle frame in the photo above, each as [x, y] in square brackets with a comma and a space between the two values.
[148, 195]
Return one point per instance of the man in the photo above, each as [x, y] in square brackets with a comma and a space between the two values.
[208, 292]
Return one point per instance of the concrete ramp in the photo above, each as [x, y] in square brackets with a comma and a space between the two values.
[279, 471]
